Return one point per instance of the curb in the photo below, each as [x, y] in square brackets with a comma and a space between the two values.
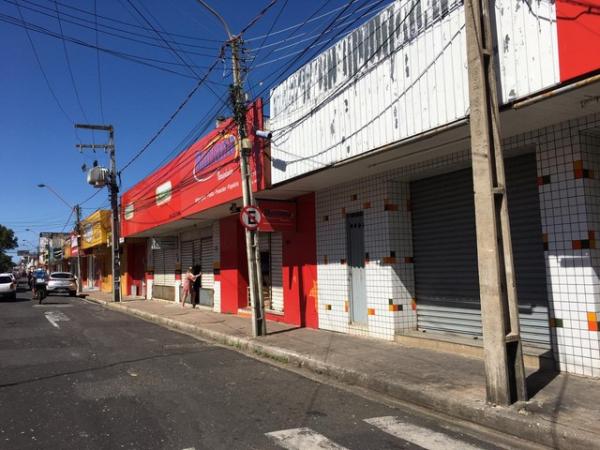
[515, 420]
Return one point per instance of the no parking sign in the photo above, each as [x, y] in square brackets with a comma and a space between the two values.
[251, 216]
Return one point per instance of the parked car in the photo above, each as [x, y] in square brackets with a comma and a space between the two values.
[62, 282]
[8, 287]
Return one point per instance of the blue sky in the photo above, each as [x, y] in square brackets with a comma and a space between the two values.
[38, 140]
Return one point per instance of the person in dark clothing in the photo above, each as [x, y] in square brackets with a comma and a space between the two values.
[197, 286]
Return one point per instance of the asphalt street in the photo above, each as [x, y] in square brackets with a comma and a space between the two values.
[74, 375]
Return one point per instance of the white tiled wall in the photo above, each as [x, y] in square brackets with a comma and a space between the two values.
[570, 210]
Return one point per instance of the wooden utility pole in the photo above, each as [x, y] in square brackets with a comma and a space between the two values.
[113, 187]
[503, 358]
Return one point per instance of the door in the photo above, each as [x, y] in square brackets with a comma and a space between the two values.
[91, 272]
[356, 268]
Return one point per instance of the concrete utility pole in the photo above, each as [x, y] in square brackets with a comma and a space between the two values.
[503, 358]
[114, 201]
[78, 237]
[259, 323]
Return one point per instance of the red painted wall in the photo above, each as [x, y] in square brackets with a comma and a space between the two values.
[300, 289]
[233, 268]
[136, 266]
[578, 23]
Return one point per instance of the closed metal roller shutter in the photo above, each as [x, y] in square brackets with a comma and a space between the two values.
[276, 272]
[208, 279]
[165, 261]
[445, 252]
[187, 255]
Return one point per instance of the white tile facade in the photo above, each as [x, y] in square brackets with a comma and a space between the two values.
[568, 160]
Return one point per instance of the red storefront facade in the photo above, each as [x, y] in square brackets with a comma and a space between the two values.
[187, 213]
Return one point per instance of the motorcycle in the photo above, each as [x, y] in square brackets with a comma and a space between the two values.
[41, 292]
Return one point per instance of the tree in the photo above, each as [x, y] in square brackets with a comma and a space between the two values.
[8, 241]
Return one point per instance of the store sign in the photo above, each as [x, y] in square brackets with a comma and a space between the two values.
[88, 233]
[277, 216]
[74, 247]
[204, 176]
[219, 150]
[96, 229]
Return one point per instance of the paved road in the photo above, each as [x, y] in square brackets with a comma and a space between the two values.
[74, 375]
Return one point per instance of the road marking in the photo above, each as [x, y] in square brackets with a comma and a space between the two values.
[56, 316]
[421, 436]
[302, 438]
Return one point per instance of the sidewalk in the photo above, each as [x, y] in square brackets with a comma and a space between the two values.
[564, 411]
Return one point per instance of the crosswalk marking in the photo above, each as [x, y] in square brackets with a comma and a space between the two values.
[423, 437]
[303, 438]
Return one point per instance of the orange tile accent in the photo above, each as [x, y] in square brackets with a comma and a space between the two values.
[592, 317]
[409, 259]
[342, 261]
[388, 260]
[366, 205]
[371, 311]
[578, 165]
[328, 307]
[578, 174]
[545, 238]
[552, 322]
[540, 181]
[413, 304]
[346, 306]
[591, 235]
[394, 308]
[576, 245]
[390, 207]
[593, 326]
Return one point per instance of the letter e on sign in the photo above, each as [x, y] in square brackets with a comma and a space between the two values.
[251, 217]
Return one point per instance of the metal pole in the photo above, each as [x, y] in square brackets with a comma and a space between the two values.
[78, 238]
[503, 359]
[114, 203]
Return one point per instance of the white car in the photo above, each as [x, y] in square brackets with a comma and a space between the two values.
[62, 282]
[8, 287]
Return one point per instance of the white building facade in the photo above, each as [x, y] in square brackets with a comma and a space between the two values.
[377, 127]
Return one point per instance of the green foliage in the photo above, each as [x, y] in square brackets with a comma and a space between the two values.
[6, 263]
[8, 241]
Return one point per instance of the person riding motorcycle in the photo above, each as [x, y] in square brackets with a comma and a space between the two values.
[39, 279]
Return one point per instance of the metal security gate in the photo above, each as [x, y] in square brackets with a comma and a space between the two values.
[164, 259]
[198, 255]
[355, 242]
[445, 252]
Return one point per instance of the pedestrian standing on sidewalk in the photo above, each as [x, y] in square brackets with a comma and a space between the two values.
[196, 287]
[187, 286]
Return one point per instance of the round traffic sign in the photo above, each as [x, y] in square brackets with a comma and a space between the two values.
[251, 216]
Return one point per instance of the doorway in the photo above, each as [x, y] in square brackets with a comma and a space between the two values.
[355, 243]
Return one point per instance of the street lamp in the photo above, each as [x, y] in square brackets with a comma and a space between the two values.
[42, 185]
[76, 209]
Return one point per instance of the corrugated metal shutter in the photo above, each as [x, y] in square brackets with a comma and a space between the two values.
[276, 272]
[445, 252]
[165, 261]
[207, 278]
[187, 255]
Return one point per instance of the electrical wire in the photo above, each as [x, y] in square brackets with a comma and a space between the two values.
[41, 67]
[98, 70]
[171, 118]
[122, 55]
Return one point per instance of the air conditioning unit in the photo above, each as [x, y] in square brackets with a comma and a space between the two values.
[98, 177]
